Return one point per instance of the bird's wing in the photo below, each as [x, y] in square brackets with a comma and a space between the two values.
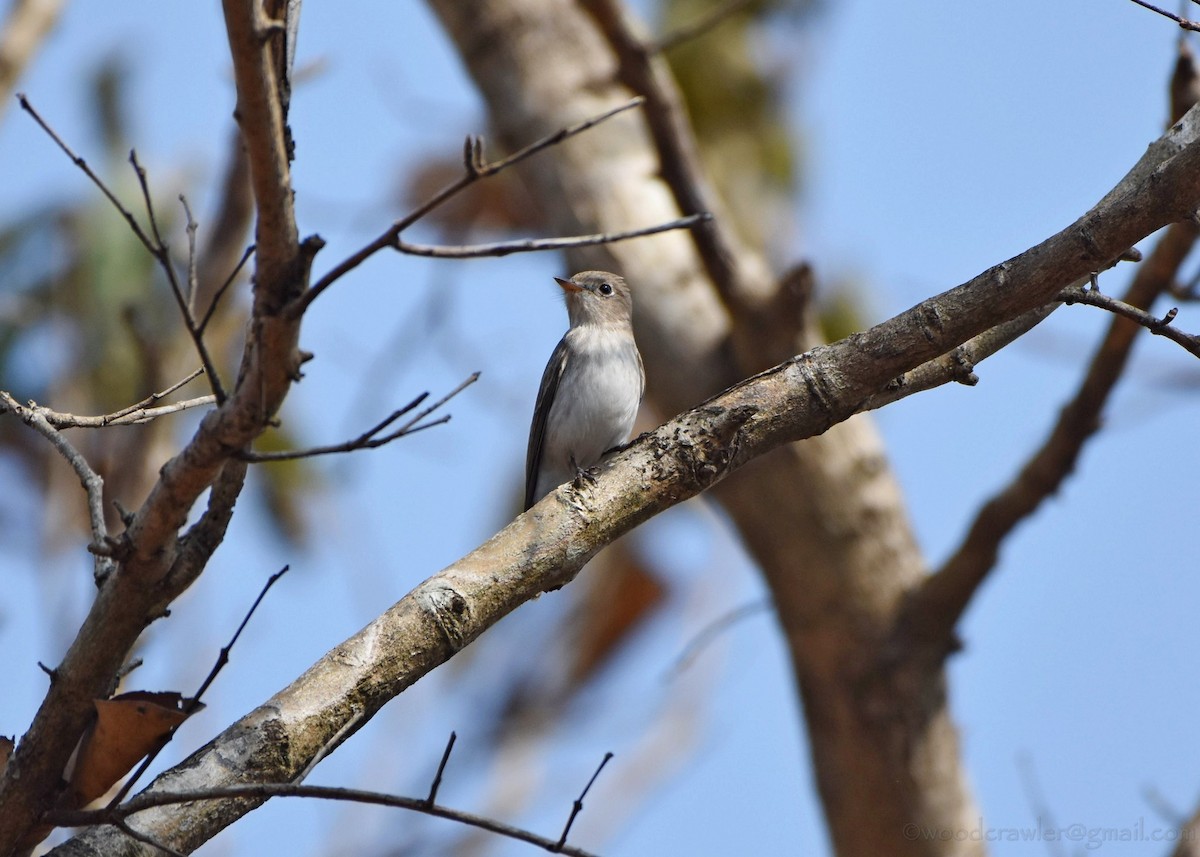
[541, 413]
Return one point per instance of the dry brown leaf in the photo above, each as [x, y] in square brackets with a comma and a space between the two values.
[127, 727]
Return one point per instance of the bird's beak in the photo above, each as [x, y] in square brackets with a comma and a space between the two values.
[568, 285]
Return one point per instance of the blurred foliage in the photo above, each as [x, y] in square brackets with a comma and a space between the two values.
[735, 92]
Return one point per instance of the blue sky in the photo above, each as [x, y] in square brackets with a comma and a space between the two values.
[940, 140]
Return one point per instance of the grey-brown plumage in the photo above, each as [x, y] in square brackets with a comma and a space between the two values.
[591, 388]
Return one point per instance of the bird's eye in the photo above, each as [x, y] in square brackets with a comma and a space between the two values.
[605, 289]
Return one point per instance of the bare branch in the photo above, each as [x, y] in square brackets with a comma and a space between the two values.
[934, 610]
[475, 168]
[1158, 326]
[216, 300]
[958, 366]
[193, 704]
[154, 245]
[88, 171]
[504, 248]
[577, 806]
[140, 412]
[157, 562]
[93, 484]
[711, 631]
[162, 253]
[123, 826]
[193, 285]
[441, 769]
[148, 800]
[1183, 23]
[369, 439]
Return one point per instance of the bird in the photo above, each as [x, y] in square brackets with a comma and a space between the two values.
[592, 386]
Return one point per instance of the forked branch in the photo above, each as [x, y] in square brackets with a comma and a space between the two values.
[475, 167]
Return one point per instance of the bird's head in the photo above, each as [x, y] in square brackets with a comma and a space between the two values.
[597, 297]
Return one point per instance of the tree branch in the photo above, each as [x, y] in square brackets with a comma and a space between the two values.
[139, 412]
[370, 439]
[1183, 23]
[262, 791]
[545, 548]
[155, 565]
[958, 366]
[935, 608]
[155, 246]
[527, 245]
[474, 169]
[93, 484]
[1157, 326]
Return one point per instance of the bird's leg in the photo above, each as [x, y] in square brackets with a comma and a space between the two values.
[583, 475]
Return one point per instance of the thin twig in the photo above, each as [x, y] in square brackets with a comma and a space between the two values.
[1158, 326]
[369, 438]
[352, 723]
[87, 170]
[137, 416]
[93, 484]
[577, 806]
[193, 285]
[162, 253]
[223, 656]
[190, 706]
[147, 800]
[1184, 23]
[139, 412]
[212, 307]
[475, 168]
[155, 246]
[504, 248]
[124, 827]
[441, 769]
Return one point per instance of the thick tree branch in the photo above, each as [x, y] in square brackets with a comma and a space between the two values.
[958, 366]
[260, 117]
[545, 548]
[935, 608]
